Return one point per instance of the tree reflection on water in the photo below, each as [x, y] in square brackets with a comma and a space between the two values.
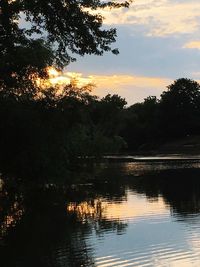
[180, 190]
[38, 230]
[51, 226]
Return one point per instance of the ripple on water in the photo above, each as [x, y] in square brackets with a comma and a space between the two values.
[160, 255]
[181, 247]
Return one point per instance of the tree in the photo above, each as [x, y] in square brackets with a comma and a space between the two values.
[107, 114]
[68, 25]
[180, 108]
[140, 125]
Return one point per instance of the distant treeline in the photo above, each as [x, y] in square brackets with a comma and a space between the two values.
[44, 136]
[154, 121]
[45, 132]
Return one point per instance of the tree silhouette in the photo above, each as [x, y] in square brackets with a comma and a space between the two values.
[54, 29]
[141, 120]
[180, 108]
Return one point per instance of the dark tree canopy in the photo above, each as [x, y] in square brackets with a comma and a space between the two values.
[182, 92]
[71, 25]
[44, 131]
[56, 29]
[179, 107]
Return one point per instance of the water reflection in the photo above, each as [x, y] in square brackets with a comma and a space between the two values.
[155, 166]
[125, 218]
[95, 212]
[46, 235]
[11, 209]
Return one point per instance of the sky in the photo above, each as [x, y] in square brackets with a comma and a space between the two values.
[158, 40]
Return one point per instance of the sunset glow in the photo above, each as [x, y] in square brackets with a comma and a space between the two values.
[133, 208]
[133, 87]
[52, 72]
[158, 43]
[57, 78]
[100, 133]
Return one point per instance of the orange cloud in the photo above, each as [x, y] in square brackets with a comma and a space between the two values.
[192, 45]
[133, 87]
[118, 81]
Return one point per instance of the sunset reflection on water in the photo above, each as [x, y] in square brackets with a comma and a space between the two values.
[125, 218]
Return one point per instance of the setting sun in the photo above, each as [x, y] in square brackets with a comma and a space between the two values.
[58, 78]
[52, 72]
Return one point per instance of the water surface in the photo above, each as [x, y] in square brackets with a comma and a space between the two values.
[135, 214]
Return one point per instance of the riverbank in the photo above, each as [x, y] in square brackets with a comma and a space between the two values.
[186, 148]
[188, 145]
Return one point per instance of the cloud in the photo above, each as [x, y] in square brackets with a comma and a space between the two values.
[116, 82]
[58, 78]
[192, 45]
[132, 87]
[160, 18]
[157, 17]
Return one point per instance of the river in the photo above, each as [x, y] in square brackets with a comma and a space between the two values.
[143, 214]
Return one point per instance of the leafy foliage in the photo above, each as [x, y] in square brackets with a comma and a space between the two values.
[180, 108]
[176, 114]
[46, 137]
[54, 29]
[44, 131]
